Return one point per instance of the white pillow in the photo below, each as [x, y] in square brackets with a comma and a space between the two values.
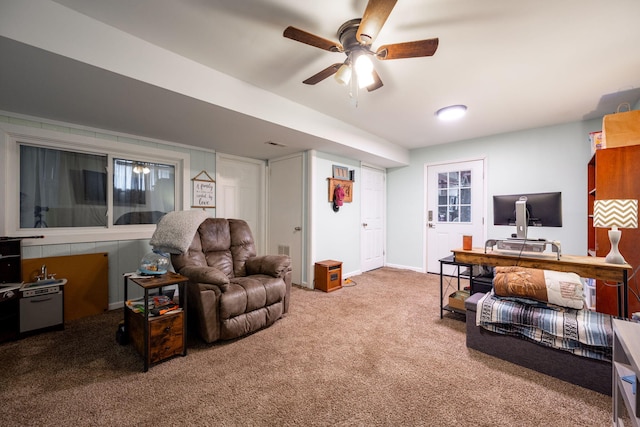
[564, 289]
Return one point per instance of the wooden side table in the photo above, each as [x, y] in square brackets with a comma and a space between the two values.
[157, 338]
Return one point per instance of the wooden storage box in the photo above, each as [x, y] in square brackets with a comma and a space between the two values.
[457, 299]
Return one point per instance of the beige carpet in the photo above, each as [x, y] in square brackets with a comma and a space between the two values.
[376, 353]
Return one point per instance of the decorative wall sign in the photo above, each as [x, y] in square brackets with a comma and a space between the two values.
[204, 191]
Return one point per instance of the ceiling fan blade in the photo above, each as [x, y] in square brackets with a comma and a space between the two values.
[302, 36]
[375, 15]
[377, 83]
[316, 78]
[408, 49]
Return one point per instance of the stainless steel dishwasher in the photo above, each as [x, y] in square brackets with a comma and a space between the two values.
[41, 307]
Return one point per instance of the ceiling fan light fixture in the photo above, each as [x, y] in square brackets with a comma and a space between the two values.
[356, 38]
[363, 64]
[365, 80]
[141, 168]
[343, 75]
[452, 112]
[363, 68]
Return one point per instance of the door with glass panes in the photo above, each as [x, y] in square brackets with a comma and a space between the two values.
[455, 207]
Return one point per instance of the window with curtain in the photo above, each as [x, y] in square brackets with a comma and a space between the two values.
[60, 188]
[142, 192]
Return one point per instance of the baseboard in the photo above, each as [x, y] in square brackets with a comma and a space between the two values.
[352, 273]
[406, 267]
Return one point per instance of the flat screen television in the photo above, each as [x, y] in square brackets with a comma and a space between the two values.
[95, 187]
[543, 209]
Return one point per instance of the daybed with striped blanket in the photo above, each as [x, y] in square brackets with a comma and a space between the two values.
[581, 332]
[520, 325]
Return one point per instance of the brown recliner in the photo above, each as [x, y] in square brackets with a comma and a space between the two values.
[231, 291]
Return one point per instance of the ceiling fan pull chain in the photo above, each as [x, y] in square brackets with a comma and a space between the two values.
[353, 90]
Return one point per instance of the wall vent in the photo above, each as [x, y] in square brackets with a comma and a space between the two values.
[283, 250]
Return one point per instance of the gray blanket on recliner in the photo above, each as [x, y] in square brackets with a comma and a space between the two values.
[174, 232]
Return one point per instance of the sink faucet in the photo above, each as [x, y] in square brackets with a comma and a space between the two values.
[44, 275]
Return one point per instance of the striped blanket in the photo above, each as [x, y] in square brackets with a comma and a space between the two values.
[581, 332]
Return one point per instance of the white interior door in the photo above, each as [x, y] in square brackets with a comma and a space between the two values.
[455, 207]
[285, 211]
[240, 184]
[373, 219]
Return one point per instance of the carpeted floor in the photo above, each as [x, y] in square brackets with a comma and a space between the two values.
[376, 353]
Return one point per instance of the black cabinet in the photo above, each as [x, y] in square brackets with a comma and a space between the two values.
[10, 279]
[481, 283]
[10, 261]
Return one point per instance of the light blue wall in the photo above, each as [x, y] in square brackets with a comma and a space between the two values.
[538, 160]
[337, 234]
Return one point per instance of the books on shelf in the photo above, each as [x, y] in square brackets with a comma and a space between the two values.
[631, 379]
[157, 305]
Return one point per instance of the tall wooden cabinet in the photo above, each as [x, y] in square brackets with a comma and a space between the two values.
[614, 173]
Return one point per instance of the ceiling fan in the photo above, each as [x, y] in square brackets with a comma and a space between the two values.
[356, 37]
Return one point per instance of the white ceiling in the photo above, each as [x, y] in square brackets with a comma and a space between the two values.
[515, 64]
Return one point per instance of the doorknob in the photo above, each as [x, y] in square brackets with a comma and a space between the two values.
[431, 225]
[364, 224]
[297, 228]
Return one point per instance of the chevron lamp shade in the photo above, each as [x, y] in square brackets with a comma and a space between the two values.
[621, 213]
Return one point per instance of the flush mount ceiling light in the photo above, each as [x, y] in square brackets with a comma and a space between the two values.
[452, 112]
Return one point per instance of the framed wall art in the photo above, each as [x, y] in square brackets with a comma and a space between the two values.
[340, 172]
[204, 191]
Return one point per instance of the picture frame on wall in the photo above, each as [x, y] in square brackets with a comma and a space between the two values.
[204, 191]
[340, 172]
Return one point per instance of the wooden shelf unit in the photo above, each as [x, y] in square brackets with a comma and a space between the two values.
[613, 173]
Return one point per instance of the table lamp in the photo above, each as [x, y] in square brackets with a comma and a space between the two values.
[615, 213]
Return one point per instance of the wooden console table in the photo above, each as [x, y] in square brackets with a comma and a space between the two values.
[583, 266]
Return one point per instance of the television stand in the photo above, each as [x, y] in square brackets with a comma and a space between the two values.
[529, 247]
